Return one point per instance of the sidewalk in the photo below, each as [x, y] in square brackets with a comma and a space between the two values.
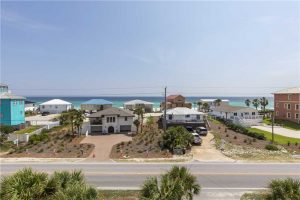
[280, 131]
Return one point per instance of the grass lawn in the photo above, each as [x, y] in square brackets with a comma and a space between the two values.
[277, 138]
[284, 123]
[29, 129]
[118, 194]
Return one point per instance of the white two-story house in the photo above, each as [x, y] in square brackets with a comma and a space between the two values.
[185, 117]
[245, 116]
[111, 120]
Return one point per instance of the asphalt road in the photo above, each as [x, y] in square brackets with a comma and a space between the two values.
[218, 180]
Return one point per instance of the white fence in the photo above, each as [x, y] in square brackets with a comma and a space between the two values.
[25, 137]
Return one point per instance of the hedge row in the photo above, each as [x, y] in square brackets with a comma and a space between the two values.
[241, 129]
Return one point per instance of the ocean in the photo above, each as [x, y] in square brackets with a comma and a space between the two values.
[118, 101]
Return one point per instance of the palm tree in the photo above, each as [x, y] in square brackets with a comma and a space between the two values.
[199, 105]
[68, 118]
[205, 107]
[248, 102]
[255, 103]
[78, 120]
[217, 102]
[137, 124]
[150, 121]
[26, 184]
[264, 102]
[139, 111]
[178, 183]
[285, 189]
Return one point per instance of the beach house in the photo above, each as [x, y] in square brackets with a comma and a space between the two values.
[55, 106]
[185, 117]
[132, 105]
[212, 104]
[111, 120]
[95, 105]
[30, 106]
[245, 116]
[174, 101]
[12, 108]
[287, 104]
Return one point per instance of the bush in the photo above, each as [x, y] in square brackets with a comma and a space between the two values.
[35, 139]
[177, 137]
[271, 147]
[288, 189]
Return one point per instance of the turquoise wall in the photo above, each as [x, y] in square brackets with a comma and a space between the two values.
[12, 111]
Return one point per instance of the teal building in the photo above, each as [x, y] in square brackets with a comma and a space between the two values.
[12, 108]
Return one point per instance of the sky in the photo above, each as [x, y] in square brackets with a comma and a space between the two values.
[222, 48]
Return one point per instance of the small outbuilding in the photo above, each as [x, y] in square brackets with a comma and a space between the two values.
[95, 105]
[55, 106]
[132, 105]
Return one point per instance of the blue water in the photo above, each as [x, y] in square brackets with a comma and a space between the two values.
[118, 101]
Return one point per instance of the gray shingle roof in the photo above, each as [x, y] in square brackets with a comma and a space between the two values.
[294, 90]
[112, 111]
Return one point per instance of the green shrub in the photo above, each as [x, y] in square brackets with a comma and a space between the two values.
[177, 137]
[271, 147]
[287, 189]
[35, 139]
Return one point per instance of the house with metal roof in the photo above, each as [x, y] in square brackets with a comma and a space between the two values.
[111, 120]
[55, 106]
[185, 117]
[133, 104]
[245, 116]
[95, 105]
[12, 110]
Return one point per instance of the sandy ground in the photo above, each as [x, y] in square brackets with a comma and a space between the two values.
[280, 131]
[103, 145]
[207, 151]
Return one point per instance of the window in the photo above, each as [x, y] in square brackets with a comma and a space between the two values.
[21, 112]
[277, 113]
[187, 116]
[15, 102]
[288, 115]
[114, 119]
[253, 113]
[198, 116]
[288, 106]
[170, 117]
[277, 105]
[235, 114]
[246, 113]
[296, 106]
[289, 97]
[296, 115]
[107, 119]
[56, 107]
[125, 118]
[43, 106]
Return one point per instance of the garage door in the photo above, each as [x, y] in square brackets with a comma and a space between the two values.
[95, 129]
[125, 128]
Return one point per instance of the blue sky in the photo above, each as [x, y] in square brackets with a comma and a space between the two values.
[136, 48]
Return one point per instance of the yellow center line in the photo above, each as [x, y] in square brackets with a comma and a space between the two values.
[196, 173]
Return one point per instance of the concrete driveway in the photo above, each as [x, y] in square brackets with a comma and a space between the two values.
[280, 131]
[207, 151]
[103, 145]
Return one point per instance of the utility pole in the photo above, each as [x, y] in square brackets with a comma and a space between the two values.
[272, 127]
[165, 112]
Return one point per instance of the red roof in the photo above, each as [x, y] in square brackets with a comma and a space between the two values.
[170, 97]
